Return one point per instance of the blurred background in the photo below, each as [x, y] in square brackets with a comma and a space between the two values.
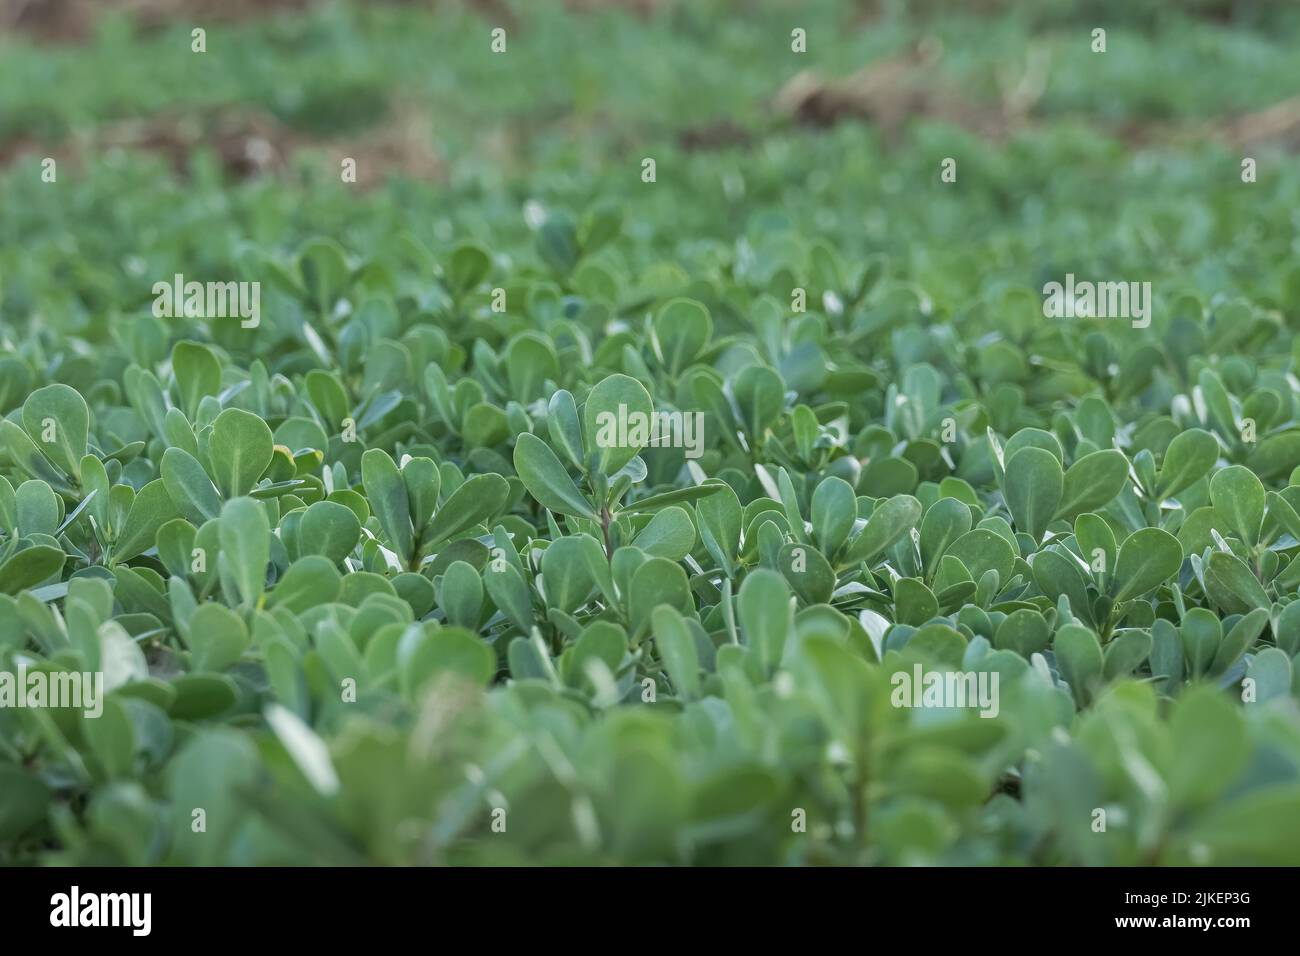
[172, 160]
[410, 87]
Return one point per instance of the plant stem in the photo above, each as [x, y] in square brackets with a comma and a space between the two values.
[605, 519]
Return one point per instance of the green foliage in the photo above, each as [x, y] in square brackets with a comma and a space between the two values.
[385, 571]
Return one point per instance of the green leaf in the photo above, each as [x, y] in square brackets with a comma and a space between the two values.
[484, 426]
[546, 479]
[244, 534]
[1147, 558]
[760, 396]
[840, 685]
[324, 270]
[766, 618]
[112, 738]
[510, 593]
[190, 487]
[456, 650]
[565, 428]
[27, 458]
[719, 519]
[889, 522]
[120, 657]
[1126, 652]
[557, 243]
[945, 521]
[208, 773]
[423, 480]
[808, 572]
[330, 529]
[37, 508]
[1281, 512]
[1206, 731]
[25, 804]
[198, 374]
[467, 266]
[311, 581]
[677, 650]
[981, 550]
[1093, 482]
[789, 498]
[657, 581]
[1271, 674]
[151, 509]
[461, 595]
[386, 493]
[1238, 499]
[199, 696]
[530, 361]
[217, 637]
[1078, 655]
[681, 330]
[1033, 488]
[914, 603]
[58, 422]
[1260, 828]
[680, 496]
[1286, 628]
[1033, 438]
[670, 534]
[239, 449]
[1275, 457]
[339, 653]
[1201, 633]
[600, 226]
[305, 748]
[939, 643]
[480, 498]
[1239, 640]
[29, 568]
[596, 655]
[1096, 541]
[616, 422]
[1024, 631]
[1231, 585]
[1189, 457]
[834, 509]
[1167, 656]
[529, 660]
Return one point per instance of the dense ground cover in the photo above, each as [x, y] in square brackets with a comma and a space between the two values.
[367, 582]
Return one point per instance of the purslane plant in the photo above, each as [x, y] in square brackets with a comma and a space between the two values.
[404, 574]
[715, 639]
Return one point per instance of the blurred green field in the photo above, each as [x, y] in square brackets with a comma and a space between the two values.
[565, 116]
[605, 79]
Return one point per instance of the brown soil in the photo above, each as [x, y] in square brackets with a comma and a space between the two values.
[250, 143]
[72, 21]
[888, 93]
[891, 91]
